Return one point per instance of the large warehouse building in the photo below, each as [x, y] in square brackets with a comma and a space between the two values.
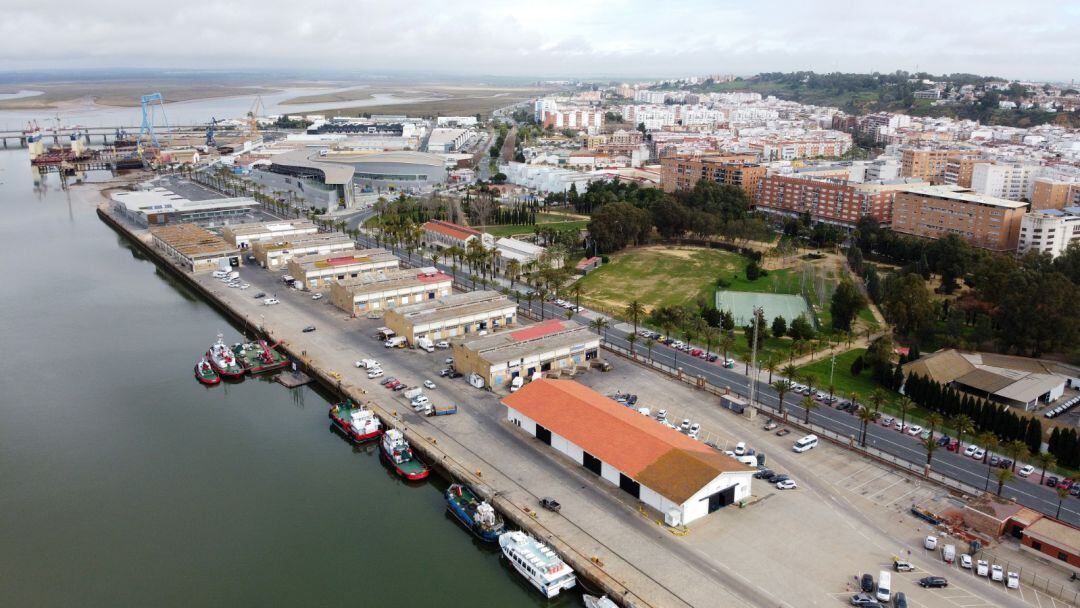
[382, 291]
[369, 171]
[453, 315]
[681, 478]
[197, 249]
[549, 346]
[320, 271]
[276, 254]
[243, 235]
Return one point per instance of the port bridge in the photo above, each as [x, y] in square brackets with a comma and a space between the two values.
[107, 135]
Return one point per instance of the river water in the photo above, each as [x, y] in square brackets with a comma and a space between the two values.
[123, 482]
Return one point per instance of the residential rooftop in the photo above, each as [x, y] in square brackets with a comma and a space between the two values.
[959, 193]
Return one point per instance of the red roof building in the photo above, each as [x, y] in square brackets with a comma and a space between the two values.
[442, 235]
[682, 478]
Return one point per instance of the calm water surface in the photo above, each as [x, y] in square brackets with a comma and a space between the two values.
[123, 482]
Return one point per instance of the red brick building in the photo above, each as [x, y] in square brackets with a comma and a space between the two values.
[830, 200]
[1052, 539]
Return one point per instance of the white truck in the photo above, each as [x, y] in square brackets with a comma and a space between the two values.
[395, 342]
[948, 553]
[516, 383]
[425, 344]
[476, 380]
[367, 363]
[413, 392]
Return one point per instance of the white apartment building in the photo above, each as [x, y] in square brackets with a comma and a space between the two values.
[1050, 230]
[1010, 181]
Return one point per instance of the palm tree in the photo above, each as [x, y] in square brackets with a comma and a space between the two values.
[770, 366]
[688, 336]
[1062, 493]
[929, 445]
[904, 403]
[569, 314]
[1004, 476]
[782, 387]
[599, 324]
[808, 404]
[575, 290]
[832, 391]
[649, 343]
[988, 441]
[631, 338]
[529, 297]
[435, 256]
[1016, 450]
[791, 373]
[727, 340]
[1044, 460]
[809, 379]
[513, 271]
[709, 333]
[963, 425]
[634, 310]
[878, 399]
[934, 420]
[866, 416]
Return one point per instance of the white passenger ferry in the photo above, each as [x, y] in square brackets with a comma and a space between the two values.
[537, 563]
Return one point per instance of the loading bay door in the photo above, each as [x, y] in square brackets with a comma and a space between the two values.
[722, 498]
[591, 462]
[543, 434]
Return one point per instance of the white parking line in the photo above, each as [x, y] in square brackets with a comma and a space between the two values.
[899, 498]
[885, 473]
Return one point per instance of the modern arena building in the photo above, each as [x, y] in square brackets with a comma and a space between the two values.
[368, 171]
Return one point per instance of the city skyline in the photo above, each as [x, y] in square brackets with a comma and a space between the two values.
[575, 40]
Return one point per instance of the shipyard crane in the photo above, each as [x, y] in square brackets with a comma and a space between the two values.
[211, 127]
[257, 108]
[150, 104]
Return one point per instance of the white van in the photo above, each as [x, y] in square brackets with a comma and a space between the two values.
[884, 587]
[806, 443]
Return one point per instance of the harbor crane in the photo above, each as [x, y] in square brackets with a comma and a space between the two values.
[149, 114]
[211, 127]
[257, 108]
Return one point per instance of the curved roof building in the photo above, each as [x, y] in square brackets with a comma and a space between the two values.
[371, 171]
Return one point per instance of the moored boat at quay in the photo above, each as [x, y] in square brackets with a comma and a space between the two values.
[224, 360]
[537, 563]
[476, 514]
[258, 357]
[204, 373]
[395, 449]
[358, 422]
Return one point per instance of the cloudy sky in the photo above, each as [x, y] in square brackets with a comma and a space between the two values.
[1037, 39]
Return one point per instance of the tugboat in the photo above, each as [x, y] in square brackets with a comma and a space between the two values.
[537, 563]
[224, 360]
[359, 423]
[476, 514]
[204, 372]
[258, 357]
[397, 452]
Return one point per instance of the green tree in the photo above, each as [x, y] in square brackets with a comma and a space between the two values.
[1003, 476]
[963, 425]
[866, 416]
[1044, 460]
[907, 304]
[779, 326]
[808, 404]
[1016, 450]
[904, 403]
[929, 445]
[846, 302]
[634, 310]
[782, 387]
[630, 338]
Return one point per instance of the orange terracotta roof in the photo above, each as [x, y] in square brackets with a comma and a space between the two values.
[449, 229]
[539, 330]
[661, 458]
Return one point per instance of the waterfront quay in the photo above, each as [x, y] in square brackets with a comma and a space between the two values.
[609, 543]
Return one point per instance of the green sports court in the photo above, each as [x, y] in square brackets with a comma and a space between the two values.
[741, 304]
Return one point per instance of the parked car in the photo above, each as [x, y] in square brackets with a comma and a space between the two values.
[770, 425]
[867, 583]
[944, 440]
[442, 344]
[444, 372]
[740, 448]
[965, 561]
[317, 296]
[453, 374]
[309, 329]
[930, 542]
[400, 387]
[782, 432]
[449, 361]
[374, 373]
[550, 504]
[887, 420]
[778, 478]
[270, 301]
[1005, 463]
[787, 484]
[982, 567]
[902, 566]
[1012, 580]
[979, 454]
[970, 450]
[1051, 482]
[914, 429]
[764, 473]
[661, 415]
[863, 599]
[388, 380]
[997, 574]
[694, 430]
[933, 582]
[1065, 483]
[260, 295]
[429, 384]
[684, 426]
[1075, 489]
[994, 460]
[953, 446]
[900, 601]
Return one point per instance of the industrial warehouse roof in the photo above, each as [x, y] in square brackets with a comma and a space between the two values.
[163, 200]
[271, 227]
[551, 335]
[942, 367]
[452, 230]
[393, 279]
[333, 173]
[191, 240]
[452, 306]
[338, 258]
[297, 241]
[1017, 379]
[660, 458]
[400, 157]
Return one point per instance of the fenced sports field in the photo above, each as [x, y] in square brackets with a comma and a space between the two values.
[742, 305]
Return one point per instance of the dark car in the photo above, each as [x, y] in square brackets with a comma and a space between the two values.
[1075, 490]
[994, 461]
[445, 372]
[866, 583]
[1005, 463]
[260, 295]
[1051, 482]
[713, 357]
[778, 478]
[453, 374]
[400, 387]
[900, 601]
[944, 440]
[631, 400]
[386, 381]
[550, 504]
[933, 582]
[864, 600]
[765, 473]
[309, 329]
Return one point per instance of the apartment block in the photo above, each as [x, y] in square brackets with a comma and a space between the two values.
[958, 170]
[827, 199]
[928, 163]
[936, 211]
[1012, 181]
[793, 149]
[1049, 193]
[684, 172]
[1049, 231]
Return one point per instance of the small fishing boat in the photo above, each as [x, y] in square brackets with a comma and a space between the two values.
[591, 601]
[396, 450]
[537, 563]
[204, 372]
[358, 422]
[476, 514]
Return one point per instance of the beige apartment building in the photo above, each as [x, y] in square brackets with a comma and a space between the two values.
[827, 199]
[929, 164]
[936, 211]
[684, 172]
[1049, 193]
[958, 170]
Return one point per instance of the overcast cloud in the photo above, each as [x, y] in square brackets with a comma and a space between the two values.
[1035, 39]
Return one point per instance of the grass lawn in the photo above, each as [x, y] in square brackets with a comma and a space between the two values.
[557, 221]
[658, 276]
